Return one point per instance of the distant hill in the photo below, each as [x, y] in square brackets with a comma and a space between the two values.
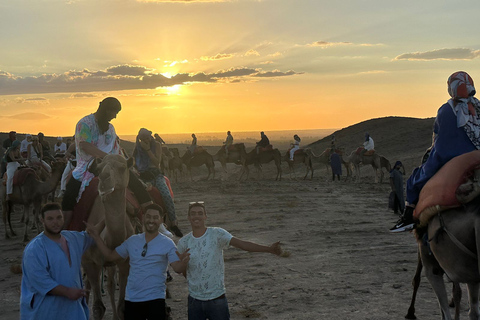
[396, 138]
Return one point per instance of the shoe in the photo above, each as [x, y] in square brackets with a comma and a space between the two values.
[402, 226]
[176, 231]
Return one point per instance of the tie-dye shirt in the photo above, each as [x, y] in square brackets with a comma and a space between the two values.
[87, 130]
[205, 270]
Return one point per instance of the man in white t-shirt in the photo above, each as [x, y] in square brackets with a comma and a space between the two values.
[205, 270]
[60, 148]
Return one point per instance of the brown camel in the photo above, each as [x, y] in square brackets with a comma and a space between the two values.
[27, 194]
[301, 156]
[197, 159]
[431, 266]
[263, 157]
[236, 154]
[110, 206]
[355, 159]
[175, 164]
[454, 237]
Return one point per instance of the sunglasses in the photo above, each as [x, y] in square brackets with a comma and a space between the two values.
[194, 203]
[144, 252]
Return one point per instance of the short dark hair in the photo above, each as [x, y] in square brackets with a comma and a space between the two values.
[110, 103]
[51, 206]
[154, 206]
[200, 204]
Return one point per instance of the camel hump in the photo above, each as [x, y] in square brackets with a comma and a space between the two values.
[199, 149]
[21, 175]
[454, 184]
[369, 152]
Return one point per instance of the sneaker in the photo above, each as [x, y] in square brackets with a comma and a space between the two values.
[176, 231]
[402, 225]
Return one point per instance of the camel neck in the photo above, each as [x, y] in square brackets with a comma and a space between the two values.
[115, 209]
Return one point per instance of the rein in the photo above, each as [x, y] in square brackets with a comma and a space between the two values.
[452, 237]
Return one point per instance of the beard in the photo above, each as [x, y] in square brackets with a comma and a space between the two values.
[51, 231]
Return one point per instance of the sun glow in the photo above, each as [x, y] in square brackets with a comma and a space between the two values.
[174, 90]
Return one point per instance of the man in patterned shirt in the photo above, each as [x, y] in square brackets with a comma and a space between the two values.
[205, 270]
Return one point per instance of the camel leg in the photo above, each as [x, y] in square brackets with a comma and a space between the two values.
[124, 269]
[111, 284]
[474, 313]
[435, 277]
[26, 209]
[456, 298]
[416, 283]
[93, 272]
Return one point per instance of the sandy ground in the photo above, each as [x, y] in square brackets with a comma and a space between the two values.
[343, 263]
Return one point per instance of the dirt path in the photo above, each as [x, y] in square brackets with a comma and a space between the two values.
[343, 263]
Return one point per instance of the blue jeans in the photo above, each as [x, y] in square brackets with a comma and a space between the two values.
[216, 309]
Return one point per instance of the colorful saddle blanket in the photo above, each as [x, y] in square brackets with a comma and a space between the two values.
[439, 193]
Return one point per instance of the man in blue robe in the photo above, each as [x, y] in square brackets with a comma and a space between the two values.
[52, 286]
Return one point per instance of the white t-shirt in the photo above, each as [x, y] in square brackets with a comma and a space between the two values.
[205, 271]
[369, 145]
[60, 149]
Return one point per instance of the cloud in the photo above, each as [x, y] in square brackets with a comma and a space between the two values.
[276, 73]
[441, 54]
[219, 56]
[83, 95]
[181, 1]
[28, 116]
[252, 52]
[327, 44]
[84, 83]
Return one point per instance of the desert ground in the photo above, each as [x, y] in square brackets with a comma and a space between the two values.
[340, 263]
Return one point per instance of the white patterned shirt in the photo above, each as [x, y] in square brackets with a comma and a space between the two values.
[205, 271]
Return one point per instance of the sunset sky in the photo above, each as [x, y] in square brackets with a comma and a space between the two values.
[239, 65]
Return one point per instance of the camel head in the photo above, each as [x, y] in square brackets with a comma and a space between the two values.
[112, 172]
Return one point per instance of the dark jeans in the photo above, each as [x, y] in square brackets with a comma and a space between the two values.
[397, 206]
[216, 309]
[151, 310]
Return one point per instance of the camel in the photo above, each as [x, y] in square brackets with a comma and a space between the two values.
[432, 266]
[27, 194]
[165, 159]
[301, 156]
[175, 164]
[197, 159]
[237, 155]
[374, 160]
[110, 206]
[384, 163]
[455, 242]
[263, 157]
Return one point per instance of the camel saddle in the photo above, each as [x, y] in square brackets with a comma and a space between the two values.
[266, 148]
[298, 151]
[456, 183]
[82, 209]
[367, 153]
[21, 175]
